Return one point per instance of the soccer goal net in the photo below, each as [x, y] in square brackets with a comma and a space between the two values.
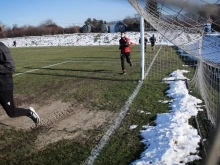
[192, 28]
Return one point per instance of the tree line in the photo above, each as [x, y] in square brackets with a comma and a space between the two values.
[49, 27]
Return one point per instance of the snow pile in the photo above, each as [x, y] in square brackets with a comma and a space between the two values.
[173, 141]
[79, 39]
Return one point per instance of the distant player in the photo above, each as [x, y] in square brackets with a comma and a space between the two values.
[124, 45]
[7, 67]
[152, 41]
[14, 43]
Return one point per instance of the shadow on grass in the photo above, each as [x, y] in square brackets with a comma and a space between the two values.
[77, 70]
[115, 58]
[85, 77]
[4, 124]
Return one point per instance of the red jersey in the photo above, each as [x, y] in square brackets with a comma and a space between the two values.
[125, 44]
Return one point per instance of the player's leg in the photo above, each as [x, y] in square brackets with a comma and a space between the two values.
[123, 63]
[128, 58]
[7, 102]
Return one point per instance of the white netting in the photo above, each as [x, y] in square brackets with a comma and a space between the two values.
[193, 26]
[183, 24]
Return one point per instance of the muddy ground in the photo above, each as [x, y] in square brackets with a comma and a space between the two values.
[61, 120]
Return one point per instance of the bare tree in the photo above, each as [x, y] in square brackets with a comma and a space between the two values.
[48, 22]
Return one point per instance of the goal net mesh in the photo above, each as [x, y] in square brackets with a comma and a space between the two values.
[192, 28]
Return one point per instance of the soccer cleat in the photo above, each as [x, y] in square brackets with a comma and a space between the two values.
[130, 64]
[34, 116]
[124, 72]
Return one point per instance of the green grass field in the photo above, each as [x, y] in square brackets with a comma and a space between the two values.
[89, 77]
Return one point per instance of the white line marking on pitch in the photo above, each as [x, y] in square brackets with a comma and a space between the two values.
[40, 68]
[54, 65]
[96, 151]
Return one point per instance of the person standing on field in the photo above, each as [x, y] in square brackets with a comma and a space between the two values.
[124, 45]
[14, 43]
[152, 41]
[7, 67]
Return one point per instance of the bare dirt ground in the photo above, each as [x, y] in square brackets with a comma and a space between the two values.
[61, 121]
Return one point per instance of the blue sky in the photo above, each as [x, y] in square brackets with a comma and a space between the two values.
[63, 12]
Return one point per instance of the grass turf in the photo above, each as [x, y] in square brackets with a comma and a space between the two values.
[90, 76]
